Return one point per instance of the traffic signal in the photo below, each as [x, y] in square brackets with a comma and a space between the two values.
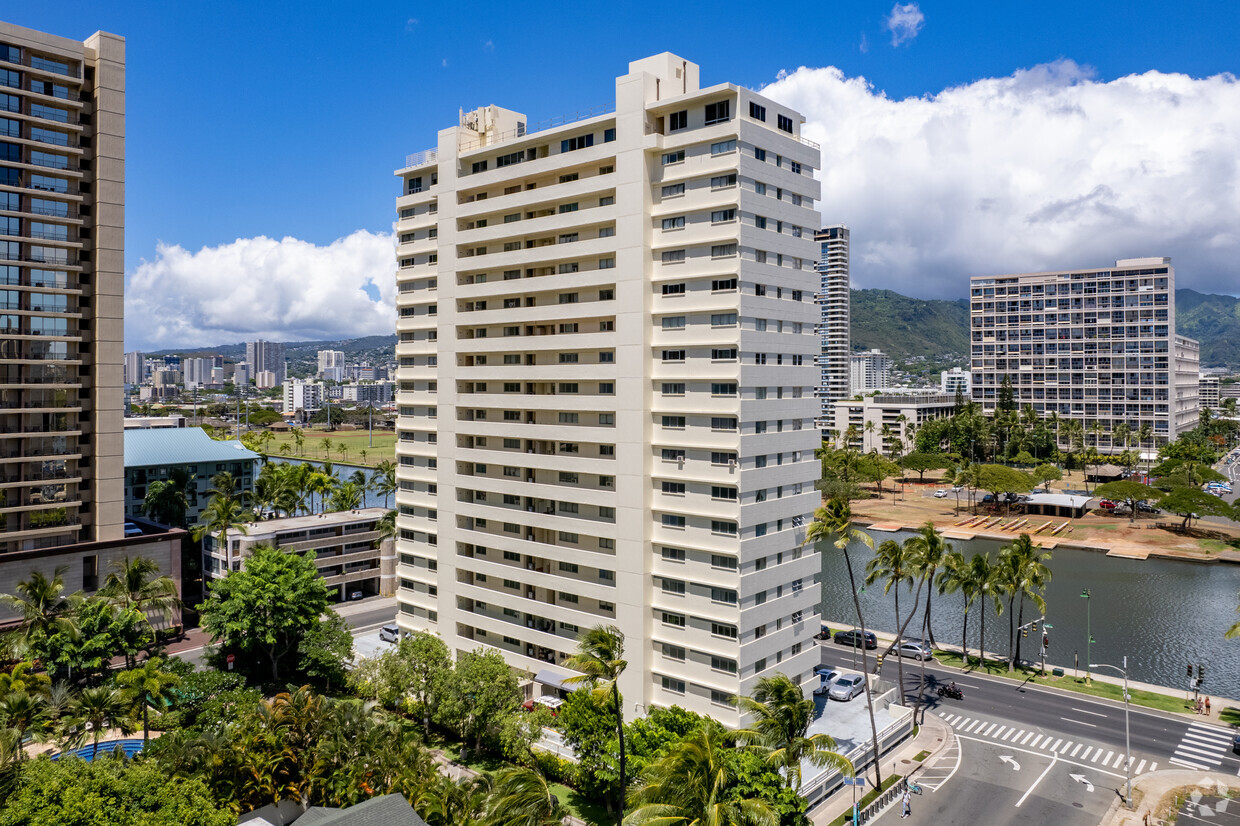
[1201, 673]
[1190, 671]
[1046, 640]
[1035, 627]
[1024, 632]
[878, 663]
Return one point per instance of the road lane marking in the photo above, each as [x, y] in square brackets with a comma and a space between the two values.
[1080, 778]
[1078, 722]
[1206, 741]
[1106, 759]
[1140, 767]
[1189, 751]
[1211, 729]
[1000, 731]
[1119, 760]
[1207, 737]
[1075, 750]
[1044, 755]
[1056, 746]
[972, 725]
[1009, 759]
[1066, 746]
[1014, 733]
[1054, 760]
[1026, 737]
[989, 730]
[1085, 754]
[1083, 711]
[1153, 766]
[1180, 762]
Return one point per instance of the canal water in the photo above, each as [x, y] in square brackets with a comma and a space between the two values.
[343, 472]
[1162, 614]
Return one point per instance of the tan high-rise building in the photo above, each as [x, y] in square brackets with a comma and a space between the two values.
[62, 228]
[834, 299]
[607, 387]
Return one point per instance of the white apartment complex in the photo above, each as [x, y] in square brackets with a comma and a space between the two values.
[304, 396]
[868, 371]
[606, 388]
[264, 357]
[887, 423]
[1095, 345]
[1208, 392]
[331, 365]
[954, 380]
[833, 301]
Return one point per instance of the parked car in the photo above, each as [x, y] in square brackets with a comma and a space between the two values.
[826, 678]
[824, 634]
[356, 595]
[988, 498]
[1146, 507]
[1235, 744]
[846, 687]
[852, 638]
[918, 650]
[389, 633]
[940, 494]
[1107, 504]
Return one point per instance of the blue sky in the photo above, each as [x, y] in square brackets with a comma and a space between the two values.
[286, 120]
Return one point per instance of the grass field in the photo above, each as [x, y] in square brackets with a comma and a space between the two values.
[357, 448]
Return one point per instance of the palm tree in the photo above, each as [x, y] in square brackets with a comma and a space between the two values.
[343, 447]
[930, 550]
[835, 520]
[959, 574]
[347, 497]
[893, 563]
[27, 715]
[692, 786]
[522, 797]
[326, 444]
[221, 515]
[1025, 574]
[383, 480]
[98, 709]
[386, 526]
[454, 803]
[781, 717]
[43, 606]
[138, 584]
[600, 661]
[146, 686]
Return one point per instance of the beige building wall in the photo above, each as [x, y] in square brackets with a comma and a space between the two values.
[61, 455]
[606, 399]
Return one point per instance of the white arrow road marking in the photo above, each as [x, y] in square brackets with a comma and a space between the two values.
[1007, 758]
[1080, 778]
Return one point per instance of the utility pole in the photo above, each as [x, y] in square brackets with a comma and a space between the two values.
[1089, 637]
[1127, 738]
[370, 414]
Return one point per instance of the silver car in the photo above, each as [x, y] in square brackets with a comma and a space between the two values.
[389, 633]
[847, 687]
[916, 650]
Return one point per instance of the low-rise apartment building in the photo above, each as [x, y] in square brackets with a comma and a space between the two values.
[887, 423]
[155, 454]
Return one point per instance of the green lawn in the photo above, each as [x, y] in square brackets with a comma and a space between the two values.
[355, 441]
[1097, 688]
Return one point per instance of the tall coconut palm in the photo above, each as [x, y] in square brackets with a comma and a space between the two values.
[893, 564]
[327, 446]
[137, 583]
[781, 716]
[27, 715]
[692, 786]
[959, 576]
[99, 709]
[600, 660]
[299, 439]
[383, 481]
[222, 515]
[1025, 574]
[835, 520]
[43, 606]
[931, 548]
[347, 497]
[522, 797]
[146, 686]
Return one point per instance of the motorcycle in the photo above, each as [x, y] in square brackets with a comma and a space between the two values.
[951, 691]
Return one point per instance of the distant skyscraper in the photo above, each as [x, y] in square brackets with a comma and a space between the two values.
[833, 301]
[197, 372]
[956, 379]
[870, 370]
[135, 368]
[266, 356]
[331, 365]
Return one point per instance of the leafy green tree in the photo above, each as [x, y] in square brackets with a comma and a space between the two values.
[650, 737]
[99, 632]
[72, 792]
[147, 687]
[694, 785]
[781, 716]
[1191, 503]
[1130, 493]
[429, 668]
[43, 608]
[267, 608]
[325, 651]
[1046, 473]
[95, 710]
[138, 583]
[481, 692]
[921, 462]
[1001, 480]
[589, 728]
[165, 502]
[600, 660]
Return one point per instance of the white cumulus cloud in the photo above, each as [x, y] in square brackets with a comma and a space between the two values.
[904, 22]
[1044, 169]
[251, 288]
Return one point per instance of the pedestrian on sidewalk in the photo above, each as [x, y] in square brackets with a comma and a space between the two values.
[907, 802]
[1207, 706]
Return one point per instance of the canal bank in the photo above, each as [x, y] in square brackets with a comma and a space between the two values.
[1163, 614]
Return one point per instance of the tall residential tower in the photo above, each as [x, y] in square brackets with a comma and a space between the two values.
[607, 387]
[833, 300]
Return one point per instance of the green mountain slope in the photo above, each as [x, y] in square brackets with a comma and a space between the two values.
[1214, 320]
[904, 327]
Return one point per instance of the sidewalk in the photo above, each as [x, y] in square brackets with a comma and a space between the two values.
[933, 736]
[1217, 704]
[1154, 799]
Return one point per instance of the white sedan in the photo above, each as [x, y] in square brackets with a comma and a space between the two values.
[940, 494]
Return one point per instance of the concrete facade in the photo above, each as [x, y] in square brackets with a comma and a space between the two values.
[956, 379]
[62, 228]
[834, 299]
[869, 371]
[607, 336]
[887, 422]
[266, 356]
[1208, 392]
[1095, 345]
[350, 552]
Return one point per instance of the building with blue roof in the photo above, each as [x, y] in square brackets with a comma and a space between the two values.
[153, 455]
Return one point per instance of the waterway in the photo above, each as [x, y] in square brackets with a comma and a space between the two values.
[1161, 614]
[342, 471]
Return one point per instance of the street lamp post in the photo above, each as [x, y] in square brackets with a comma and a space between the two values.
[1089, 637]
[1127, 740]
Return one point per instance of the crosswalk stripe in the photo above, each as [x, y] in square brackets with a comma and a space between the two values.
[1026, 737]
[972, 725]
[1013, 733]
[1153, 765]
[1140, 767]
[1057, 742]
[1034, 742]
[1180, 762]
[1208, 736]
[1211, 729]
[1186, 749]
[1105, 759]
[986, 733]
[1119, 761]
[952, 719]
[1000, 731]
[1078, 748]
[1206, 741]
[1066, 746]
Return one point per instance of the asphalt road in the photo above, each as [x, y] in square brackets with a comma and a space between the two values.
[1031, 755]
